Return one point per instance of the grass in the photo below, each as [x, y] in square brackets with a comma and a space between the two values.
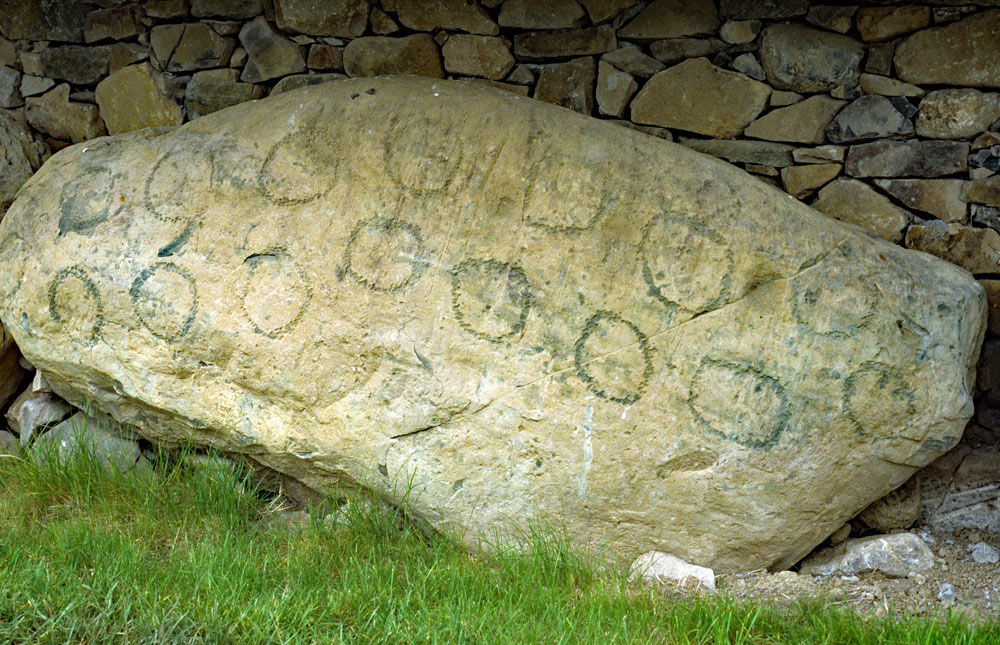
[186, 555]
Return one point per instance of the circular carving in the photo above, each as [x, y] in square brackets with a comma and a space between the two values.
[490, 299]
[738, 401]
[432, 166]
[876, 395]
[168, 190]
[275, 293]
[88, 199]
[838, 307]
[385, 254]
[613, 358]
[73, 294]
[566, 198]
[687, 267]
[301, 167]
[165, 299]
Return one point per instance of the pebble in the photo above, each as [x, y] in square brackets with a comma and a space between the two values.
[947, 593]
[984, 553]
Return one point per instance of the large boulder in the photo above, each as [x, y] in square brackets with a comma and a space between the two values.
[429, 289]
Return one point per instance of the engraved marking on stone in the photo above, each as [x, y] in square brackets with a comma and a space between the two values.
[686, 266]
[300, 168]
[566, 198]
[876, 395]
[13, 257]
[490, 299]
[838, 312]
[613, 358]
[385, 254]
[171, 190]
[687, 462]
[74, 296]
[739, 401]
[276, 293]
[165, 299]
[88, 199]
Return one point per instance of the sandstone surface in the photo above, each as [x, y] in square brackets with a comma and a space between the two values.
[457, 303]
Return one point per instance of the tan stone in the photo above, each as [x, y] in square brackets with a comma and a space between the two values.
[941, 198]
[898, 510]
[626, 338]
[803, 122]
[802, 181]
[240, 9]
[429, 15]
[603, 10]
[569, 84]
[270, 54]
[838, 18]
[295, 81]
[376, 55]
[737, 32]
[672, 19]
[886, 86]
[531, 14]
[977, 250]
[182, 48]
[116, 23]
[134, 98]
[992, 288]
[560, 43]
[850, 200]
[781, 98]
[885, 23]
[485, 56]
[674, 50]
[125, 54]
[700, 97]
[382, 23]
[819, 154]
[165, 8]
[962, 53]
[340, 18]
[325, 57]
[55, 115]
[762, 153]
[956, 113]
[983, 191]
[215, 89]
[614, 89]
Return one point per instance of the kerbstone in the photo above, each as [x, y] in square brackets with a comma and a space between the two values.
[400, 284]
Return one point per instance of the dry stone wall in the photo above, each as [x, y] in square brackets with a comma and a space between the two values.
[884, 115]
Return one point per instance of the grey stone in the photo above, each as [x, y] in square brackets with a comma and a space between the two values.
[838, 18]
[802, 59]
[988, 158]
[116, 23]
[632, 60]
[850, 200]
[747, 64]
[57, 20]
[54, 114]
[961, 489]
[543, 45]
[431, 15]
[764, 153]
[20, 156]
[886, 86]
[531, 14]
[904, 106]
[983, 553]
[377, 55]
[907, 158]
[226, 8]
[879, 59]
[959, 113]
[214, 89]
[187, 47]
[819, 154]
[9, 445]
[615, 89]
[977, 250]
[32, 412]
[869, 117]
[674, 50]
[673, 19]
[270, 54]
[485, 56]
[941, 198]
[659, 567]
[895, 556]
[343, 19]
[83, 434]
[762, 9]
[10, 88]
[569, 84]
[961, 53]
[296, 81]
[946, 593]
[77, 64]
[985, 216]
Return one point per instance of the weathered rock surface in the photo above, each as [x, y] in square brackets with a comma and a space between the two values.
[673, 18]
[674, 50]
[20, 156]
[440, 303]
[134, 98]
[809, 60]
[10, 88]
[543, 45]
[657, 567]
[850, 200]
[230, 8]
[95, 437]
[44, 20]
[700, 97]
[271, 55]
[957, 113]
[838, 18]
[869, 117]
[428, 15]
[802, 181]
[615, 89]
[215, 89]
[531, 14]
[632, 60]
[896, 556]
[962, 490]
[484, 56]
[77, 64]
[54, 114]
[941, 198]
[183, 48]
[962, 53]
[907, 158]
[34, 411]
[569, 84]
[344, 19]
[885, 23]
[977, 250]
[376, 55]
[763, 153]
[756, 9]
[802, 122]
[289, 83]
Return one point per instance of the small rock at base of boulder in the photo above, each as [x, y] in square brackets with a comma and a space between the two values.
[34, 411]
[900, 509]
[957, 113]
[895, 556]
[81, 432]
[840, 535]
[850, 200]
[983, 553]
[379, 55]
[659, 567]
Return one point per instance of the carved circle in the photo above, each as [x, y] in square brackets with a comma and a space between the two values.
[300, 168]
[165, 300]
[385, 254]
[168, 190]
[613, 358]
[275, 293]
[490, 299]
[74, 295]
[876, 395]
